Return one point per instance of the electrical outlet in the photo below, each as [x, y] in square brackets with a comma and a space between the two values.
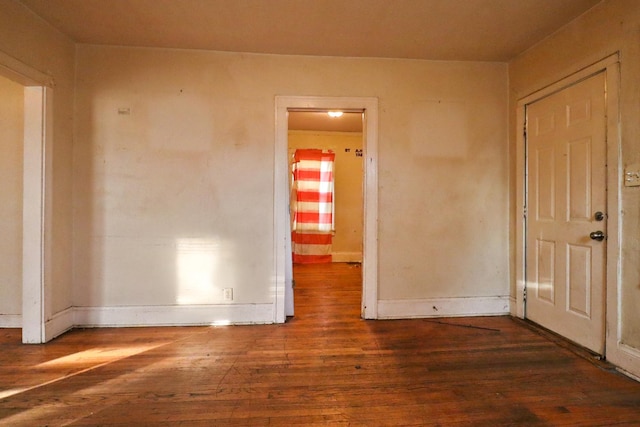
[632, 175]
[227, 294]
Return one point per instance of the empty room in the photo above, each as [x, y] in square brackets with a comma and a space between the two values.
[319, 212]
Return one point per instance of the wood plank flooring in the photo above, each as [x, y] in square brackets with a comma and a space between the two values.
[325, 366]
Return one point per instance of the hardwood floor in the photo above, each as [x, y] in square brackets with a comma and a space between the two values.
[326, 366]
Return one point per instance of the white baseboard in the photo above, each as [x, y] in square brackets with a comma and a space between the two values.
[626, 359]
[174, 315]
[10, 321]
[59, 323]
[513, 306]
[346, 256]
[443, 307]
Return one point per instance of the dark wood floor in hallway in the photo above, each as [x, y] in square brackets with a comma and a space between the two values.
[325, 366]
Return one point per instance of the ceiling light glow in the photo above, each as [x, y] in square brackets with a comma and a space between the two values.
[335, 113]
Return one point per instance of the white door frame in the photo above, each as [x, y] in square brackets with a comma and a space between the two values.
[610, 67]
[36, 214]
[281, 195]
[36, 198]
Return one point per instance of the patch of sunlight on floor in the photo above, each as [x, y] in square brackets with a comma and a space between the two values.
[97, 356]
[10, 392]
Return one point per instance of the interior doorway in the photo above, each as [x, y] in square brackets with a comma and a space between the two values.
[35, 201]
[325, 152]
[368, 108]
[11, 171]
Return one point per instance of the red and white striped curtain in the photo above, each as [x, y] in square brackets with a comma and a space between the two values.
[312, 209]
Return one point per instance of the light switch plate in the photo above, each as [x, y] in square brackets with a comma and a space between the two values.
[632, 175]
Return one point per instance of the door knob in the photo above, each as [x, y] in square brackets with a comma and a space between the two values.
[597, 235]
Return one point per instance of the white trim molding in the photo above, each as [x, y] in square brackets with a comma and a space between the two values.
[58, 324]
[10, 321]
[173, 315]
[346, 257]
[22, 73]
[444, 307]
[36, 211]
[627, 360]
[513, 304]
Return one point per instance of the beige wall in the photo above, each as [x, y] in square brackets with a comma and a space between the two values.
[613, 26]
[32, 42]
[174, 155]
[11, 134]
[347, 241]
[172, 164]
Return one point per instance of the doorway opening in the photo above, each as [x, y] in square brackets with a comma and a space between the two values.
[367, 110]
[325, 154]
[11, 171]
[26, 307]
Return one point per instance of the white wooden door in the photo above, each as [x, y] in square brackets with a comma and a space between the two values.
[566, 203]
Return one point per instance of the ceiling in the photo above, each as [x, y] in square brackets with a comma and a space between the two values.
[461, 30]
[316, 120]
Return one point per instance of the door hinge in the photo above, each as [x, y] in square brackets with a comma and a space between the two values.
[293, 283]
[524, 294]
